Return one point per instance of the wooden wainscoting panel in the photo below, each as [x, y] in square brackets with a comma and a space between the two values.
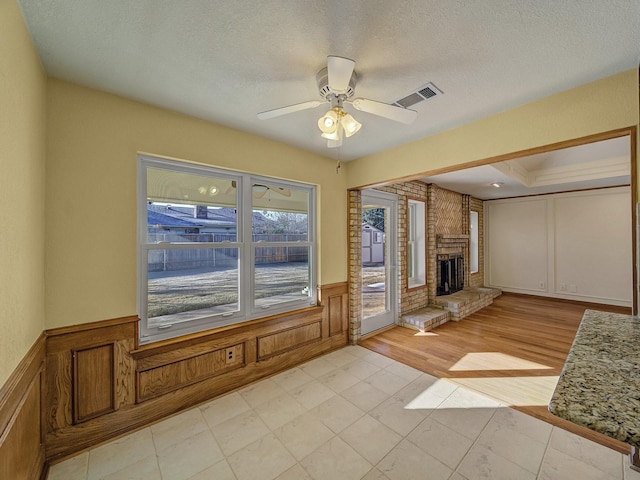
[94, 384]
[229, 334]
[337, 317]
[22, 454]
[94, 334]
[68, 440]
[71, 395]
[21, 450]
[183, 352]
[289, 339]
[161, 379]
[125, 377]
[58, 392]
[335, 299]
[14, 389]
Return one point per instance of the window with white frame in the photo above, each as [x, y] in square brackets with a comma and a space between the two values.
[473, 242]
[218, 247]
[416, 244]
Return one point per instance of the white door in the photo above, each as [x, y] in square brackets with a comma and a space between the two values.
[366, 246]
[379, 279]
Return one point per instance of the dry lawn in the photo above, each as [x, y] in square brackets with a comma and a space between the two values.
[188, 290]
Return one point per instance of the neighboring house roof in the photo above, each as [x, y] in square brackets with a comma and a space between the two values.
[368, 226]
[160, 219]
[183, 216]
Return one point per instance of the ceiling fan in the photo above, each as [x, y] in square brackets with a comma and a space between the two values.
[336, 84]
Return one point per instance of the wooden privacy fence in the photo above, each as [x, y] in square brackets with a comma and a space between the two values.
[181, 259]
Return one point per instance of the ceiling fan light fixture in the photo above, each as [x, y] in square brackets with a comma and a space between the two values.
[332, 136]
[350, 125]
[328, 123]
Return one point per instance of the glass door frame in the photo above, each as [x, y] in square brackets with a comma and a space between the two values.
[389, 201]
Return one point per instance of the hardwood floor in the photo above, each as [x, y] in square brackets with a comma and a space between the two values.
[512, 350]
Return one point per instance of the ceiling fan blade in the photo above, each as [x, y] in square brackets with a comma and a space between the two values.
[339, 70]
[285, 192]
[258, 190]
[289, 109]
[399, 114]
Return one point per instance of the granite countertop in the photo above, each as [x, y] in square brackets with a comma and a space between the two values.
[599, 386]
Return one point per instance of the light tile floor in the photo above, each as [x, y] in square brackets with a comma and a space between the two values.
[351, 414]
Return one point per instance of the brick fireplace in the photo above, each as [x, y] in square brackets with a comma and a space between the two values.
[449, 229]
[448, 241]
[448, 233]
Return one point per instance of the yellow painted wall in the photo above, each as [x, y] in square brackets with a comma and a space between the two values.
[22, 94]
[92, 142]
[596, 107]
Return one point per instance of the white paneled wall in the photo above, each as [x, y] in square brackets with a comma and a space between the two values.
[572, 245]
[517, 244]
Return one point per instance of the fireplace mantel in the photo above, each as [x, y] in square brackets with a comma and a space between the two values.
[451, 239]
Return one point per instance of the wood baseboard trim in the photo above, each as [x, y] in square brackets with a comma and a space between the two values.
[590, 305]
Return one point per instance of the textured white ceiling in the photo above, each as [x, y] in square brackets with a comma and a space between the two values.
[594, 165]
[225, 61]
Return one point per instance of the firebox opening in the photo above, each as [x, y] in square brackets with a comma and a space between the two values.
[450, 273]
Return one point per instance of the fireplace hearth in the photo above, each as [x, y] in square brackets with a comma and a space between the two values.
[450, 273]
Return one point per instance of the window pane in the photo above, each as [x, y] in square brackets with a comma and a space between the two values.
[189, 283]
[416, 244]
[473, 243]
[187, 207]
[280, 211]
[281, 275]
[410, 261]
[412, 221]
